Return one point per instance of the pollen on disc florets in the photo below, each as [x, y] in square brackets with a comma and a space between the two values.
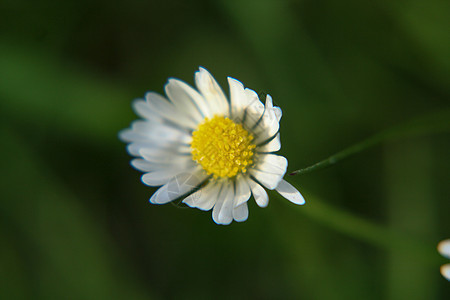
[222, 147]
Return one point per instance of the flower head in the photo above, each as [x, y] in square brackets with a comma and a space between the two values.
[444, 249]
[215, 152]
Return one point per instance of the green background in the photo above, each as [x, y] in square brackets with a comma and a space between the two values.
[75, 222]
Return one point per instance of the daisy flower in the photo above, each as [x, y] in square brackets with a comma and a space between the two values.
[214, 151]
[444, 250]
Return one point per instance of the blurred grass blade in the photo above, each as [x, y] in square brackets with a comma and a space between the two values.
[269, 30]
[66, 248]
[362, 229]
[38, 87]
[429, 124]
[411, 208]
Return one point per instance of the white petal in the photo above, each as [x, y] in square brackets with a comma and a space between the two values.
[178, 186]
[272, 146]
[269, 124]
[445, 271]
[238, 98]
[444, 248]
[186, 99]
[168, 111]
[270, 170]
[163, 147]
[153, 132]
[150, 166]
[162, 176]
[252, 96]
[243, 192]
[145, 166]
[163, 150]
[269, 180]
[204, 198]
[164, 156]
[158, 130]
[272, 163]
[211, 91]
[259, 193]
[278, 112]
[158, 137]
[254, 109]
[142, 109]
[240, 213]
[135, 148]
[128, 135]
[223, 210]
[289, 192]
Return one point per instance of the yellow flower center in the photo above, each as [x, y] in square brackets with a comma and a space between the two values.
[222, 147]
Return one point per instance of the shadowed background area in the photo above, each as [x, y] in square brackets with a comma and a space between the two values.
[75, 222]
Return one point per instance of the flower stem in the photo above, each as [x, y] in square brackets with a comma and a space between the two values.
[431, 123]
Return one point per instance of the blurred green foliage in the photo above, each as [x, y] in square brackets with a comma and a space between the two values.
[75, 222]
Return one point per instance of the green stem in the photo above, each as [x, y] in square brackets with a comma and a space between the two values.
[365, 230]
[431, 123]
